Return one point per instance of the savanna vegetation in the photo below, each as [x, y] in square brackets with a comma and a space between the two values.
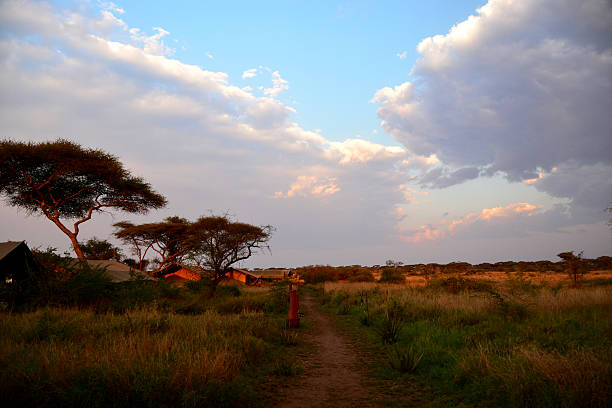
[474, 342]
[80, 340]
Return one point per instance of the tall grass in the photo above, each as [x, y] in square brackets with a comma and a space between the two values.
[494, 343]
[147, 356]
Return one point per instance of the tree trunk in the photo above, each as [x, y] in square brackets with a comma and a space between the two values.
[71, 235]
[76, 246]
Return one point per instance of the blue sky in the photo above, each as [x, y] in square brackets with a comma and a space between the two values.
[363, 131]
[335, 55]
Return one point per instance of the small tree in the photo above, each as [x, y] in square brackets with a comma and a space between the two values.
[96, 248]
[574, 266]
[217, 243]
[168, 239]
[63, 181]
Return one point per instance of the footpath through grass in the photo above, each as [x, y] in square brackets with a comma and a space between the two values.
[180, 350]
[476, 343]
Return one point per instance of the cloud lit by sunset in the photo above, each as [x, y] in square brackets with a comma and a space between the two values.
[485, 122]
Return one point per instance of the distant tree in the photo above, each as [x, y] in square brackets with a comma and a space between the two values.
[393, 264]
[574, 266]
[217, 243]
[63, 181]
[168, 239]
[95, 248]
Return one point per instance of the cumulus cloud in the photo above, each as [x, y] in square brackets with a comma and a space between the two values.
[363, 151]
[152, 44]
[520, 88]
[310, 186]
[278, 85]
[249, 73]
[446, 228]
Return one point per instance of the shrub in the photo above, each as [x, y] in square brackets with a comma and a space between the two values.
[456, 285]
[392, 275]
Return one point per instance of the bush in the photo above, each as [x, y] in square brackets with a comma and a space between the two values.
[456, 285]
[85, 286]
[392, 275]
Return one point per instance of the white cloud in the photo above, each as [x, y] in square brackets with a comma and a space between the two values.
[209, 55]
[278, 85]
[363, 151]
[310, 186]
[401, 55]
[520, 88]
[153, 44]
[249, 73]
[445, 228]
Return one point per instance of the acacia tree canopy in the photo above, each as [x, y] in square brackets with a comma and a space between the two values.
[64, 181]
[167, 238]
[217, 243]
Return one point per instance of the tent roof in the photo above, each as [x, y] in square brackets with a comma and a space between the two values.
[8, 247]
[118, 271]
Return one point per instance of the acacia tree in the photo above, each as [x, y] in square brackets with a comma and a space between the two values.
[574, 266]
[168, 239]
[217, 243]
[65, 182]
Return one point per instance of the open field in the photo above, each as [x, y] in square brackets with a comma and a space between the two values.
[486, 342]
[525, 339]
[185, 350]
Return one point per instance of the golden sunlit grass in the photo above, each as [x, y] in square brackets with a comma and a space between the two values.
[63, 356]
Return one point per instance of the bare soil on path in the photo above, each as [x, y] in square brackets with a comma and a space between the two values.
[335, 374]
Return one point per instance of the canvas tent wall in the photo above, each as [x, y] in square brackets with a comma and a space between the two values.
[16, 261]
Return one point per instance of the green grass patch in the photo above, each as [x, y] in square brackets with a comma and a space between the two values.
[481, 344]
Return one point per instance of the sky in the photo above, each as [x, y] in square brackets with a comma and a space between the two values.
[362, 131]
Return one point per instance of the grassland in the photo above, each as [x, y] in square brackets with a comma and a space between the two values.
[513, 342]
[182, 350]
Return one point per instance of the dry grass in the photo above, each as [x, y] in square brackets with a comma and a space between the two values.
[147, 355]
[570, 299]
[533, 277]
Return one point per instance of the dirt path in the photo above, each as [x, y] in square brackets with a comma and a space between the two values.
[334, 374]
